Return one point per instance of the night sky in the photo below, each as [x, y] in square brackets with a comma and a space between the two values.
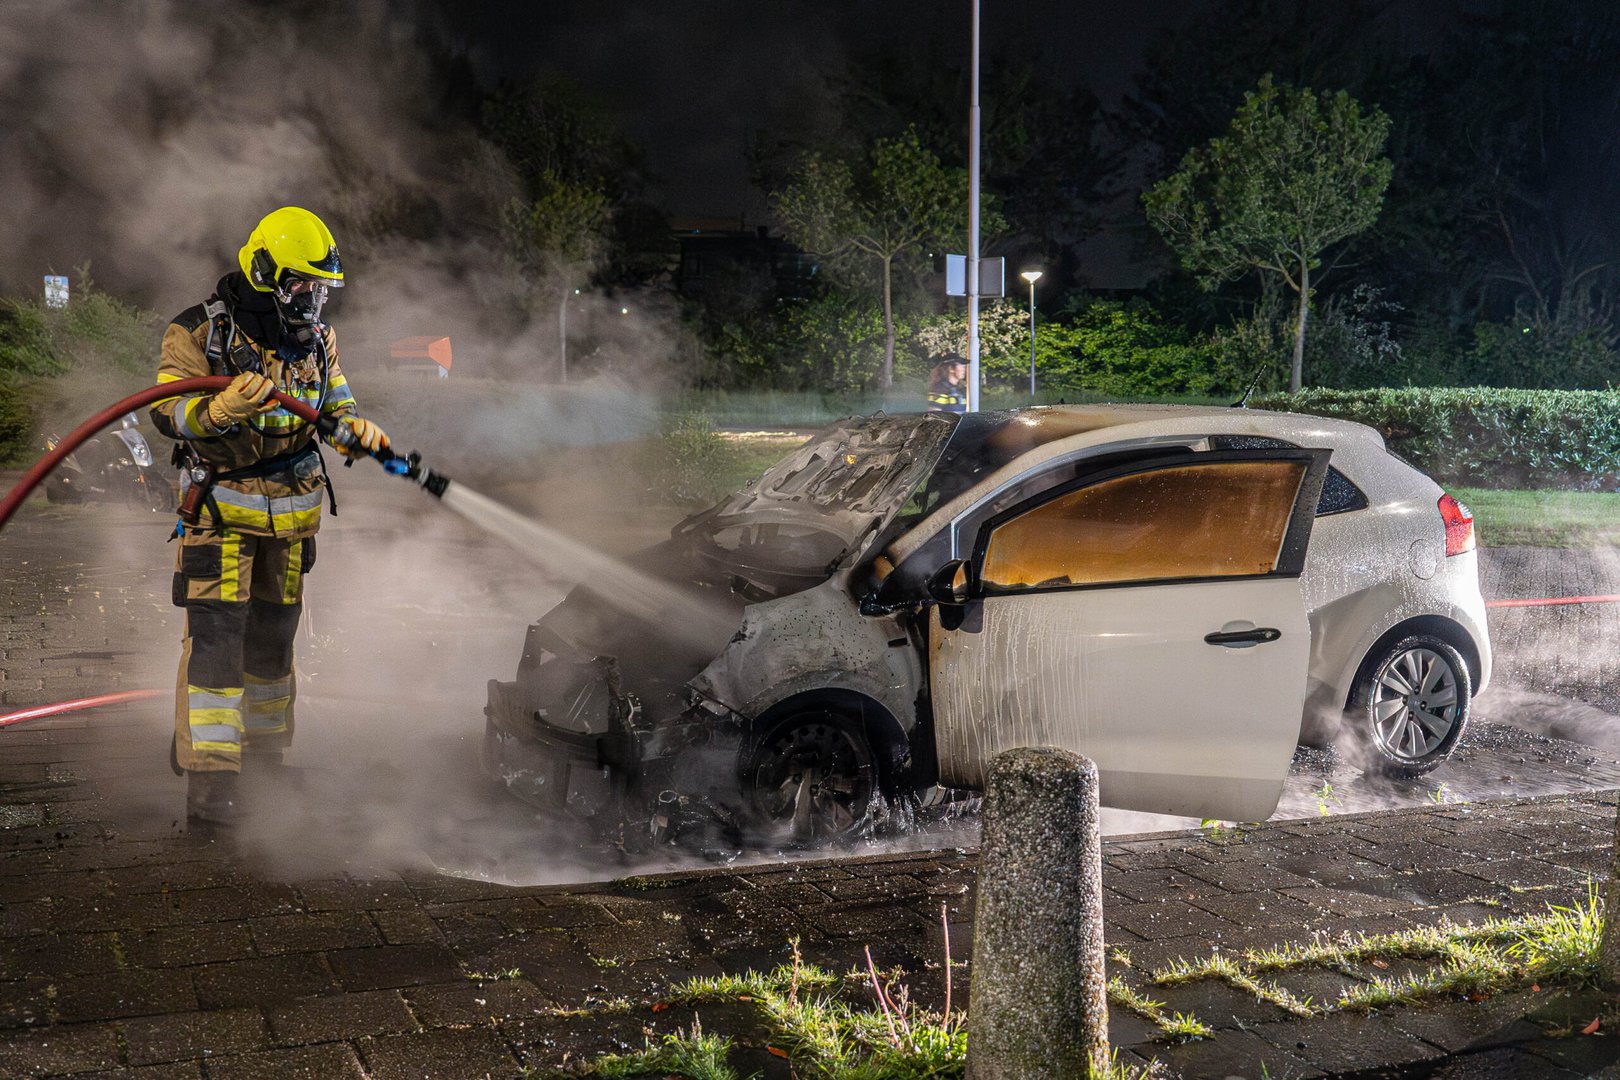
[122, 137]
[690, 81]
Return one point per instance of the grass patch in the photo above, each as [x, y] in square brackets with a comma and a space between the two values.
[693, 1055]
[1543, 518]
[1174, 1027]
[823, 1036]
[1556, 948]
[495, 976]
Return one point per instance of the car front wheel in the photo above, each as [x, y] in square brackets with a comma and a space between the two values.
[1410, 705]
[809, 778]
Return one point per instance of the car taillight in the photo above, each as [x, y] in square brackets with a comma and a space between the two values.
[1459, 525]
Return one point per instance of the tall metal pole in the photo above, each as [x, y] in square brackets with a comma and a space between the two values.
[973, 223]
[562, 336]
[1031, 338]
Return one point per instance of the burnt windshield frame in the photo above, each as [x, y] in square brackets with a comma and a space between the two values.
[727, 510]
[969, 456]
[925, 435]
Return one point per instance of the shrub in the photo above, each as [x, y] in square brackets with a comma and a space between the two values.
[26, 347]
[16, 422]
[1097, 348]
[1540, 354]
[1003, 341]
[1485, 436]
[692, 465]
[1351, 343]
[96, 331]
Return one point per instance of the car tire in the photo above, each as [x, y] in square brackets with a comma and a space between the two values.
[1410, 705]
[809, 778]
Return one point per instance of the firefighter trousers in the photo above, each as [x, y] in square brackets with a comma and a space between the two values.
[243, 596]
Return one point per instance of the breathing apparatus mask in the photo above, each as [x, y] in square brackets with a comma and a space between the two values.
[299, 301]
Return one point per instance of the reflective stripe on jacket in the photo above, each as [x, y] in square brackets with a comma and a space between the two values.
[285, 503]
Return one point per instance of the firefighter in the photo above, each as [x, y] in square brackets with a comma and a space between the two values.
[252, 483]
[946, 390]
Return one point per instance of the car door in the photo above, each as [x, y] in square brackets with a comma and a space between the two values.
[1148, 616]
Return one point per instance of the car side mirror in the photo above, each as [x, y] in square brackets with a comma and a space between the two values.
[949, 585]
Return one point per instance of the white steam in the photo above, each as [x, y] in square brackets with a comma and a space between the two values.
[146, 140]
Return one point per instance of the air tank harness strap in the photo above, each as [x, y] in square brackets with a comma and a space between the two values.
[221, 329]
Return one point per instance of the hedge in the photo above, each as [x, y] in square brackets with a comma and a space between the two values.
[16, 421]
[1484, 436]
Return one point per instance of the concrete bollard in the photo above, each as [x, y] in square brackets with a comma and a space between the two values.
[1609, 945]
[1038, 1001]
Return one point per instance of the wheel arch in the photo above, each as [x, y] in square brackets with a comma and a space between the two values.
[884, 735]
[1450, 631]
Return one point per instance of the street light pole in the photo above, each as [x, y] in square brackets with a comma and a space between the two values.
[973, 220]
[1031, 276]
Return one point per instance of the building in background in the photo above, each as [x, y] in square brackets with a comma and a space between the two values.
[720, 252]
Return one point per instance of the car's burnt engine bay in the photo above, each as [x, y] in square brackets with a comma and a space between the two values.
[792, 725]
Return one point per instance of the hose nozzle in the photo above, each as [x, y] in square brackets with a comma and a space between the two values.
[411, 468]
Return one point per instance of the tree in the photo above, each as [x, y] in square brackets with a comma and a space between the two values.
[560, 235]
[865, 214]
[1043, 143]
[551, 131]
[1293, 175]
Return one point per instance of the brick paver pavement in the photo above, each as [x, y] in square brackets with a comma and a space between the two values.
[311, 946]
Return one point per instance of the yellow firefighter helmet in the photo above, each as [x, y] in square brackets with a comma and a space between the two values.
[290, 241]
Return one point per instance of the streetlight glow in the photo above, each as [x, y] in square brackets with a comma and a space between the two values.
[1031, 276]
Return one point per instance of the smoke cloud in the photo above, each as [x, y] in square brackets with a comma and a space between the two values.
[146, 140]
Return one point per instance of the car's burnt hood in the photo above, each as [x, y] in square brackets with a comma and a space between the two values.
[788, 532]
[844, 484]
[696, 611]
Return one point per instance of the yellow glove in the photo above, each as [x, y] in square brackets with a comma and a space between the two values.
[248, 394]
[356, 436]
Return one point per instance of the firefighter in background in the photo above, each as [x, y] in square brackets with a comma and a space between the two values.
[252, 483]
[947, 392]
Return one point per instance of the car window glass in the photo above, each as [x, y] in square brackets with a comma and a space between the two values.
[1339, 492]
[1339, 495]
[1222, 519]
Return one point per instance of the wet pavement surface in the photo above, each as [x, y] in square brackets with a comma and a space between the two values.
[385, 914]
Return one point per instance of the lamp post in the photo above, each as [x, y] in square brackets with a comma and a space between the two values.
[1031, 276]
[562, 334]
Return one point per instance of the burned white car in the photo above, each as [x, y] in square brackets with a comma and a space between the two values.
[1172, 591]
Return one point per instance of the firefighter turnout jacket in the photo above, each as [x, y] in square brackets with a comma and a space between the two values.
[286, 501]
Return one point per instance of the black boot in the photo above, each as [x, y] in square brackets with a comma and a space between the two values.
[213, 797]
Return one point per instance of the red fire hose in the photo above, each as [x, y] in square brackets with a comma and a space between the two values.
[39, 712]
[79, 435]
[76, 438]
[409, 467]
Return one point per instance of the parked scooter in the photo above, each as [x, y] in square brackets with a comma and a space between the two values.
[115, 464]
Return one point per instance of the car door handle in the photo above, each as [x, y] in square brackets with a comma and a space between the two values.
[1243, 639]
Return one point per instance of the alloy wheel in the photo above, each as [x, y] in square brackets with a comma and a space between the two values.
[1415, 703]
